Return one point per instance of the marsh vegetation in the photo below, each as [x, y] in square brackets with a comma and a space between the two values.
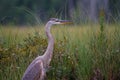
[81, 52]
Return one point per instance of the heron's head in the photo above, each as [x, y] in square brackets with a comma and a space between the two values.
[58, 21]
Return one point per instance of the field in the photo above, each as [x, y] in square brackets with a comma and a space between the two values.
[81, 52]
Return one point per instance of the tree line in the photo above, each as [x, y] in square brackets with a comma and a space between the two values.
[21, 12]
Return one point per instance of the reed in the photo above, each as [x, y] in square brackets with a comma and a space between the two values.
[80, 52]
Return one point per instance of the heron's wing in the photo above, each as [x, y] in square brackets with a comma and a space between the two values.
[34, 71]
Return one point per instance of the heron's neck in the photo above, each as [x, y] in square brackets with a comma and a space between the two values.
[49, 51]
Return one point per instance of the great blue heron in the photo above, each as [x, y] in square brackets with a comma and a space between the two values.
[37, 69]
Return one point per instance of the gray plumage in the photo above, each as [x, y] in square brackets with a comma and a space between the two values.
[37, 69]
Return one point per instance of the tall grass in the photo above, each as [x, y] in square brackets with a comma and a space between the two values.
[80, 52]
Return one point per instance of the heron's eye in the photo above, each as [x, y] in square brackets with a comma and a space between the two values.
[57, 20]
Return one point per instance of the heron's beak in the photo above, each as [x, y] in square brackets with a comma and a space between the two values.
[65, 21]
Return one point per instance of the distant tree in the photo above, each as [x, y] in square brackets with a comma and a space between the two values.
[90, 9]
[114, 6]
[27, 11]
[71, 7]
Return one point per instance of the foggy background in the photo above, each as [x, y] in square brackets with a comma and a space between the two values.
[32, 12]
